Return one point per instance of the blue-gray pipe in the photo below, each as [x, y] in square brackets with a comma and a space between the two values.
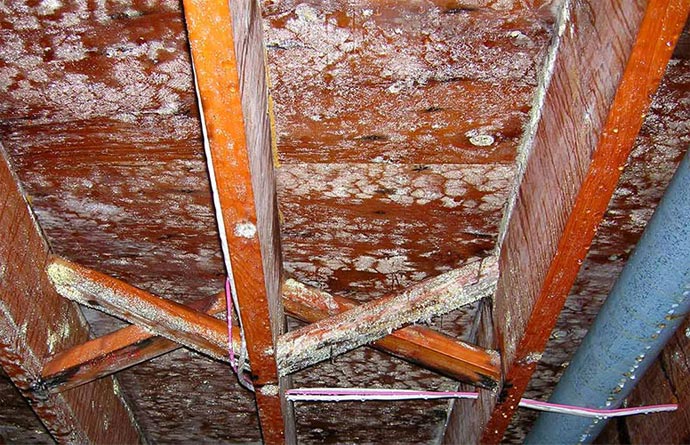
[646, 305]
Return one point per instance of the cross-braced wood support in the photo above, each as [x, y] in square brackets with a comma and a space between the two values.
[374, 320]
[133, 344]
[208, 335]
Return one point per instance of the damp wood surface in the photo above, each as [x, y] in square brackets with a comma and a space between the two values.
[35, 322]
[408, 98]
[637, 66]
[403, 82]
[659, 147]
[99, 119]
[377, 108]
[126, 192]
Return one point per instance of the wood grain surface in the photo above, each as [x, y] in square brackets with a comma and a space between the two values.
[551, 228]
[35, 322]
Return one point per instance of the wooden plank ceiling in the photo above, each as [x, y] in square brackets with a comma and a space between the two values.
[397, 126]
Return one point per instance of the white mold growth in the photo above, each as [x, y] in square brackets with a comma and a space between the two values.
[245, 230]
[71, 50]
[48, 7]
[269, 390]
[482, 140]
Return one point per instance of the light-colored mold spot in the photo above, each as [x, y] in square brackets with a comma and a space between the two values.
[308, 14]
[55, 338]
[418, 276]
[396, 87]
[392, 265]
[269, 390]
[481, 140]
[48, 7]
[245, 230]
[450, 202]
[454, 188]
[7, 75]
[71, 50]
[364, 263]
[93, 209]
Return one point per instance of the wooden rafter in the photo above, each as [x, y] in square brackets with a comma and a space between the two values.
[114, 352]
[35, 321]
[609, 62]
[208, 335]
[227, 48]
[132, 345]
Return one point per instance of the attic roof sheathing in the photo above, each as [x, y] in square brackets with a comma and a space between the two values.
[342, 208]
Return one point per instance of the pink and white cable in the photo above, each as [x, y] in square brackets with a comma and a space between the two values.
[365, 394]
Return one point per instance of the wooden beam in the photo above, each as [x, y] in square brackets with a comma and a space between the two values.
[418, 344]
[228, 51]
[35, 321]
[208, 335]
[132, 345]
[607, 64]
[374, 320]
[174, 321]
[115, 352]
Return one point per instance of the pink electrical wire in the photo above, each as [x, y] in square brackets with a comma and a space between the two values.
[363, 394]
[229, 304]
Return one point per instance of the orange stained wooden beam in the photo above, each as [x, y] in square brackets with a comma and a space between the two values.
[226, 41]
[607, 63]
[35, 321]
[132, 345]
[115, 352]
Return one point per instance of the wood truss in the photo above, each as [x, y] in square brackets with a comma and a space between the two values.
[583, 134]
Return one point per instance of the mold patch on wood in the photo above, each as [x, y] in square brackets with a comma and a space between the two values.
[117, 179]
[368, 229]
[342, 73]
[369, 322]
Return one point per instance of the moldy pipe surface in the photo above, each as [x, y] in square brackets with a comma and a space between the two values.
[646, 305]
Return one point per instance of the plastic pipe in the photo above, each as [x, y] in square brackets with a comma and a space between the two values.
[645, 307]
